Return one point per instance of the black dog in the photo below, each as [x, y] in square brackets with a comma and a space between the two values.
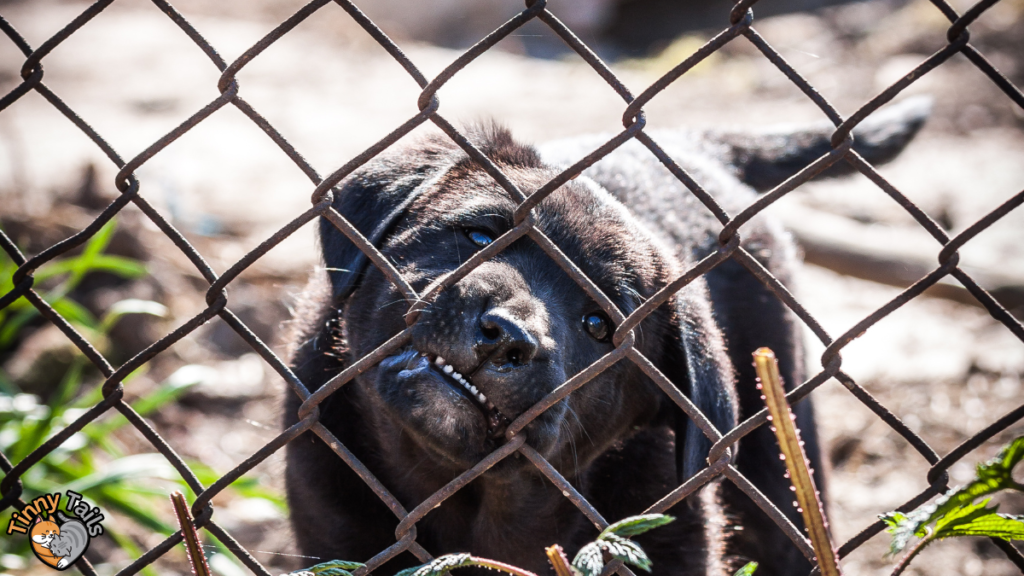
[517, 327]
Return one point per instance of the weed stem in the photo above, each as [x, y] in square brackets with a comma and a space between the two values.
[767, 368]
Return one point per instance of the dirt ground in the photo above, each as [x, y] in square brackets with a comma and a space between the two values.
[947, 369]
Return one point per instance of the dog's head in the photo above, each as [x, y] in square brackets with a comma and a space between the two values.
[517, 327]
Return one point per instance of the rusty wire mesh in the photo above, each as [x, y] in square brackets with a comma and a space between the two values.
[739, 28]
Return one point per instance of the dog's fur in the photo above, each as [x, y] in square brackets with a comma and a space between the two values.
[514, 327]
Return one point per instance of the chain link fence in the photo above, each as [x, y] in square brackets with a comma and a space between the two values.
[739, 28]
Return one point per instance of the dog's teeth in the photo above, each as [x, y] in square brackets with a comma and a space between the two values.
[448, 369]
[456, 375]
[481, 398]
[439, 361]
[473, 389]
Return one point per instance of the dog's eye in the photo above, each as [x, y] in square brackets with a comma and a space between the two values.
[598, 326]
[479, 238]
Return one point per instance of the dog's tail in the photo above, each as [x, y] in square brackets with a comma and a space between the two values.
[767, 159]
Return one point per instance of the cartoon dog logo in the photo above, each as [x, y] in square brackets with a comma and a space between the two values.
[58, 544]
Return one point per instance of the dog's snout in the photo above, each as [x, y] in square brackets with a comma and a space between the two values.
[504, 341]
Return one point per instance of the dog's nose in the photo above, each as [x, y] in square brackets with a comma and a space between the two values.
[504, 341]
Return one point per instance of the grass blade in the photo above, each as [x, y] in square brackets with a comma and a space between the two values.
[747, 570]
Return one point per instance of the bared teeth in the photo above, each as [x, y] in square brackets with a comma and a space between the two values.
[447, 369]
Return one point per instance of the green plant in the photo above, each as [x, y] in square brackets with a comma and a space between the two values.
[612, 541]
[69, 273]
[92, 461]
[748, 569]
[955, 513]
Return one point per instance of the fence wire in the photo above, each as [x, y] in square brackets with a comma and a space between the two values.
[740, 28]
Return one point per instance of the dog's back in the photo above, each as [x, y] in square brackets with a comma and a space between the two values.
[749, 315]
[732, 168]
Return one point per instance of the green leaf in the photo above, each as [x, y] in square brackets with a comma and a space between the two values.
[246, 486]
[168, 392]
[143, 510]
[892, 519]
[635, 525]
[79, 265]
[130, 306]
[7, 268]
[126, 268]
[903, 528]
[318, 571]
[588, 560]
[164, 395]
[32, 433]
[101, 239]
[992, 476]
[68, 387]
[127, 468]
[980, 520]
[343, 564]
[747, 570]
[334, 568]
[94, 395]
[10, 329]
[75, 313]
[626, 550]
[439, 565]
[118, 265]
[1000, 468]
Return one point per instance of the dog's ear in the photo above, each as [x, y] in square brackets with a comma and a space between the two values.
[695, 355]
[765, 160]
[373, 199]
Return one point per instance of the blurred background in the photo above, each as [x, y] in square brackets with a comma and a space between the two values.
[940, 363]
